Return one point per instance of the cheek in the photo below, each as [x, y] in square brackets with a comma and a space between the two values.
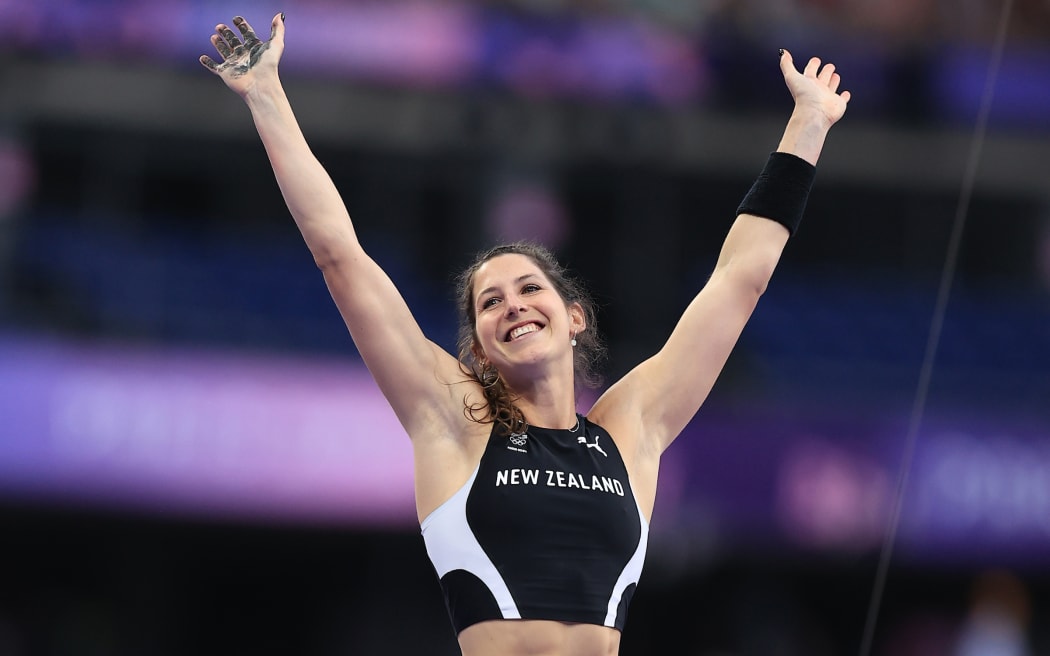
[483, 330]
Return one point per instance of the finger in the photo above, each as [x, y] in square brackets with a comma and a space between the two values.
[826, 74]
[812, 67]
[221, 46]
[277, 26]
[836, 79]
[845, 95]
[227, 33]
[209, 63]
[245, 29]
[787, 62]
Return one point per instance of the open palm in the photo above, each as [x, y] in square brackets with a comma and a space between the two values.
[816, 86]
[246, 57]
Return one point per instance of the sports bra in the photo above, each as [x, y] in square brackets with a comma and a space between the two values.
[547, 527]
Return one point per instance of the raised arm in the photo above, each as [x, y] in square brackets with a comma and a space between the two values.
[665, 391]
[409, 368]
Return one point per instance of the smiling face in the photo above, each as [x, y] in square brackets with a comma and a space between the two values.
[579, 305]
[520, 319]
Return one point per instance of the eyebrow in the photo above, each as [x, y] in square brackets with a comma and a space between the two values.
[519, 279]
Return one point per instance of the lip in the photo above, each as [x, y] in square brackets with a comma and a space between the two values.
[506, 335]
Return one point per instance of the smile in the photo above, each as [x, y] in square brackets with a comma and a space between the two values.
[519, 331]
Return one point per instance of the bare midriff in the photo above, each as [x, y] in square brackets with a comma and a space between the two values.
[538, 638]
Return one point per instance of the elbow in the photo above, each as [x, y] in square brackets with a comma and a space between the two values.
[759, 280]
[325, 259]
[334, 250]
[752, 272]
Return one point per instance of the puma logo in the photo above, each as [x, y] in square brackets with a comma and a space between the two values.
[583, 440]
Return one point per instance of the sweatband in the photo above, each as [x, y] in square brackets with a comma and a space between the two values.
[781, 190]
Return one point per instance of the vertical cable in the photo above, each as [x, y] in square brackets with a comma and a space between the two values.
[936, 326]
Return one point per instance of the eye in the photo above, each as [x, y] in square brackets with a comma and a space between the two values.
[489, 302]
[530, 288]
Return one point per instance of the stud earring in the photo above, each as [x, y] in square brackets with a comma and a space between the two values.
[572, 340]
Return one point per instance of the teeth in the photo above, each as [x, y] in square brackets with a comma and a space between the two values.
[521, 330]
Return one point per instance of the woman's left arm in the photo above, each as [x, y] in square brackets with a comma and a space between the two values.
[665, 392]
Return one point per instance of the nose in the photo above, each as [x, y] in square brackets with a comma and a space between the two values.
[514, 306]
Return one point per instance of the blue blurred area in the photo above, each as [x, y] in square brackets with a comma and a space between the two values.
[922, 62]
[246, 292]
[170, 286]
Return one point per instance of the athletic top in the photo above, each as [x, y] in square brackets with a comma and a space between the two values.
[547, 527]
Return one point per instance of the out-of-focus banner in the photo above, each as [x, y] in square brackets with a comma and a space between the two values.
[281, 439]
[468, 46]
[200, 432]
[975, 490]
[416, 43]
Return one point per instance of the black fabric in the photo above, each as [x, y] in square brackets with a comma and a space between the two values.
[554, 512]
[468, 599]
[781, 191]
[625, 601]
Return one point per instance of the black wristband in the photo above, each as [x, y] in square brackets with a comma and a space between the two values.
[780, 192]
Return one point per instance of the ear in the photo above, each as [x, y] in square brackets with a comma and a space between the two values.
[577, 318]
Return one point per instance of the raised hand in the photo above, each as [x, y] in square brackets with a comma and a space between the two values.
[816, 87]
[245, 58]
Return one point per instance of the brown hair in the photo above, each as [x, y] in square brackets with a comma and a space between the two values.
[588, 353]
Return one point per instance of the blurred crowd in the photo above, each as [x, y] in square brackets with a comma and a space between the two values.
[113, 230]
[917, 22]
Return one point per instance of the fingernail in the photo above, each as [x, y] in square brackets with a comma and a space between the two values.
[781, 52]
[282, 16]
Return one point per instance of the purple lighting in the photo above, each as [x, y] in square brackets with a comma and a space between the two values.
[194, 431]
[281, 439]
[413, 43]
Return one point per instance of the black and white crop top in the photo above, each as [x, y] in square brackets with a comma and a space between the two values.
[547, 527]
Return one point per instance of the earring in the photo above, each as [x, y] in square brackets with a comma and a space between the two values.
[572, 340]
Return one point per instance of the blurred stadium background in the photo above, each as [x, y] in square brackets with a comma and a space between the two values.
[193, 460]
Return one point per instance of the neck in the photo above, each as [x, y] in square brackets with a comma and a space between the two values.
[548, 404]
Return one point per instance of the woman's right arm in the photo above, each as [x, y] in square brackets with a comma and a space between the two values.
[413, 372]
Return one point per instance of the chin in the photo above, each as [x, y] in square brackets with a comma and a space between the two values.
[534, 355]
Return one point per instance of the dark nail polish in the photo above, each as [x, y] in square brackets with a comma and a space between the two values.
[781, 52]
[282, 16]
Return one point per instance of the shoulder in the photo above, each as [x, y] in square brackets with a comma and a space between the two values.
[445, 458]
[637, 449]
[622, 421]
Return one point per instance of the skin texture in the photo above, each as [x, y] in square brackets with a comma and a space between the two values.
[427, 387]
[239, 57]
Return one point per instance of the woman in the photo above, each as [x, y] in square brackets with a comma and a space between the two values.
[535, 517]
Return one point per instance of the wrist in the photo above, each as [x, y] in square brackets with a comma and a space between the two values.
[781, 190]
[804, 136]
[263, 94]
